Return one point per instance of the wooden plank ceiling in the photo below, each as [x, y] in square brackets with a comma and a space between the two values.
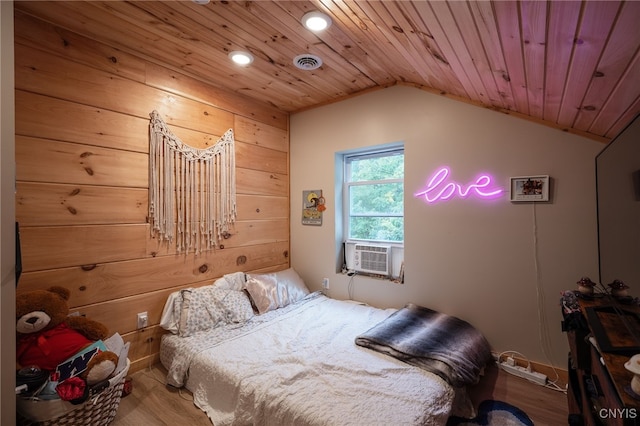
[573, 65]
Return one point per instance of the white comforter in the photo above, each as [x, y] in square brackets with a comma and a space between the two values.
[299, 365]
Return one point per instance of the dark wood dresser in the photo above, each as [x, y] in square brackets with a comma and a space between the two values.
[599, 390]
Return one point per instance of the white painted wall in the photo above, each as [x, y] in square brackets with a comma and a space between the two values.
[499, 265]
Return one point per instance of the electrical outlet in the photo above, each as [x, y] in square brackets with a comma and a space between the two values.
[325, 283]
[143, 320]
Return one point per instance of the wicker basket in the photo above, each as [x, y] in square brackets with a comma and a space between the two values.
[97, 410]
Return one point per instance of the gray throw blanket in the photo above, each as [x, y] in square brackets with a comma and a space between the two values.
[442, 344]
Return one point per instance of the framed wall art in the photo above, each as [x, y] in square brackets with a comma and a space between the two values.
[312, 207]
[530, 188]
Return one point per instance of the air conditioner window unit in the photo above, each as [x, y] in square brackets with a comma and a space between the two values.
[372, 258]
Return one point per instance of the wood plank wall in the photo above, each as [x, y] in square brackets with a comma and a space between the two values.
[82, 116]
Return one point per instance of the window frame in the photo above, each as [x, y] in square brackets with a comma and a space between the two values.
[347, 184]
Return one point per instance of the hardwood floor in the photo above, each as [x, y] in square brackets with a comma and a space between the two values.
[546, 407]
[153, 403]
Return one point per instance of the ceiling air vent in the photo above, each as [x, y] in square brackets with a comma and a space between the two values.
[307, 61]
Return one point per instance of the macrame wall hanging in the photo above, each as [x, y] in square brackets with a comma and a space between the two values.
[192, 192]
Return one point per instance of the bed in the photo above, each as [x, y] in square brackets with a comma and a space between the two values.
[263, 350]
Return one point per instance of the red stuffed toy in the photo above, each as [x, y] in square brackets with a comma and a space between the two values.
[47, 335]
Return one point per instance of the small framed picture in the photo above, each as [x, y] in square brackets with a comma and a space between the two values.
[530, 188]
[312, 207]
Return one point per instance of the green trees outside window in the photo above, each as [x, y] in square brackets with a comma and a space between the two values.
[375, 188]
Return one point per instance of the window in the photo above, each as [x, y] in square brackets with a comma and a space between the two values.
[374, 196]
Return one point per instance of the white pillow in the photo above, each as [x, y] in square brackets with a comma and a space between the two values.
[296, 288]
[235, 305]
[208, 307]
[233, 281]
[263, 290]
[170, 319]
[198, 313]
[275, 290]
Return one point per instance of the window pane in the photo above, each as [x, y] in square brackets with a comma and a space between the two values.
[377, 168]
[377, 198]
[377, 228]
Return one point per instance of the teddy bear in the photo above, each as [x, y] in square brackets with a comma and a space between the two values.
[47, 335]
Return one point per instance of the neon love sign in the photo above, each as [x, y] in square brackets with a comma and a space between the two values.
[437, 189]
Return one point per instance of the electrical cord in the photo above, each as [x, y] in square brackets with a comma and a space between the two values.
[545, 344]
[352, 274]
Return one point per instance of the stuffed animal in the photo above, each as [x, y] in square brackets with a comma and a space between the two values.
[47, 335]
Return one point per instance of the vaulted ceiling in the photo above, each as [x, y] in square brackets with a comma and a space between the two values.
[574, 65]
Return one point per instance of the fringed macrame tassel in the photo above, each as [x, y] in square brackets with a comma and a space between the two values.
[192, 192]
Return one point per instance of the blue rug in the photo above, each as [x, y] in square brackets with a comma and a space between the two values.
[494, 413]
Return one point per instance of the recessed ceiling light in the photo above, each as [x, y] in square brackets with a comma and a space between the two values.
[240, 57]
[316, 21]
[201, 1]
